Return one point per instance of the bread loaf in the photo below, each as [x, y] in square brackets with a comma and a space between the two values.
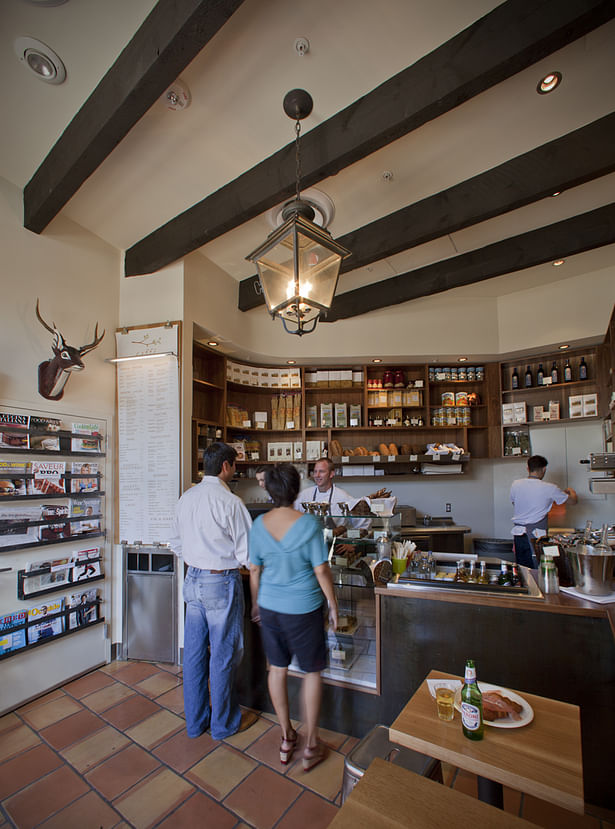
[335, 448]
[393, 449]
[405, 449]
[383, 449]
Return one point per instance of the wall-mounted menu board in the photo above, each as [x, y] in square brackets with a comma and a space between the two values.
[148, 431]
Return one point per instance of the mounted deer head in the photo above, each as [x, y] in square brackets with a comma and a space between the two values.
[53, 374]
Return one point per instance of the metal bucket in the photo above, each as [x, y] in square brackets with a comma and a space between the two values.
[592, 572]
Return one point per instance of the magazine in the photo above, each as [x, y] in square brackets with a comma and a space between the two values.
[46, 575]
[48, 424]
[10, 482]
[85, 508]
[92, 525]
[45, 443]
[14, 421]
[55, 529]
[42, 623]
[14, 440]
[87, 608]
[47, 478]
[87, 429]
[79, 483]
[85, 444]
[10, 638]
[15, 525]
[85, 570]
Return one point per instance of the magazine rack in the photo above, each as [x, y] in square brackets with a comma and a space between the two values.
[52, 472]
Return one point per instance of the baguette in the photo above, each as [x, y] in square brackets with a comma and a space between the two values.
[336, 448]
[383, 449]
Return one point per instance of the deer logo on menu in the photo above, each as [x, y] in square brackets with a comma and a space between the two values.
[53, 373]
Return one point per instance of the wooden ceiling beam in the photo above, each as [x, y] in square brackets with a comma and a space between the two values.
[170, 37]
[505, 41]
[557, 241]
[573, 159]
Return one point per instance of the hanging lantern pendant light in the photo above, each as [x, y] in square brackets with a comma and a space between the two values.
[299, 262]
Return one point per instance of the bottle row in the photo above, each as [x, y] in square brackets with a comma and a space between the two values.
[567, 374]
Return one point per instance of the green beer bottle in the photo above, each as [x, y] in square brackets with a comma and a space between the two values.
[471, 705]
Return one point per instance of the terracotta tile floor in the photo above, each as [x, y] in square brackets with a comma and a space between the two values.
[109, 750]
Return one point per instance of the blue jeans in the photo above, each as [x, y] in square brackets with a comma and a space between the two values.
[213, 648]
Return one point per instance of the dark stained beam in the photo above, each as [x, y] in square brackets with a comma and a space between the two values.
[571, 236]
[171, 36]
[508, 39]
[566, 162]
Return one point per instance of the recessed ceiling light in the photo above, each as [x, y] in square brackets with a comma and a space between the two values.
[549, 83]
[557, 193]
[563, 347]
[462, 359]
[212, 343]
[290, 362]
[40, 59]
[558, 262]
[376, 360]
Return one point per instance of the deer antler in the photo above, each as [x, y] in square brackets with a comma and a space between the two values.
[53, 330]
[85, 348]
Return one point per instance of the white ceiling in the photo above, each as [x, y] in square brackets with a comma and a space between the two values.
[171, 160]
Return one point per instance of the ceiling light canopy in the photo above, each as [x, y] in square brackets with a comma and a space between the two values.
[40, 59]
[299, 262]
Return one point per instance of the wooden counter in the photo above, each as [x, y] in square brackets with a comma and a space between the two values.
[558, 647]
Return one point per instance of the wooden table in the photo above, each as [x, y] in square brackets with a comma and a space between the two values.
[542, 758]
[391, 796]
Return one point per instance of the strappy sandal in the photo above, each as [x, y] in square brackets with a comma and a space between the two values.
[312, 756]
[287, 748]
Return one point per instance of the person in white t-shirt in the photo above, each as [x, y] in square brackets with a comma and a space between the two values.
[325, 490]
[532, 498]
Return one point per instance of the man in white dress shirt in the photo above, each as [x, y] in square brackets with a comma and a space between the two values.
[211, 535]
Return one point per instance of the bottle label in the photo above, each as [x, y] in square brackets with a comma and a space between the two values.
[470, 716]
[470, 674]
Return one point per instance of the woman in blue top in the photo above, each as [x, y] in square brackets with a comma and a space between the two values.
[289, 573]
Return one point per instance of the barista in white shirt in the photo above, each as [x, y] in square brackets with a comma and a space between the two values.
[324, 490]
[532, 498]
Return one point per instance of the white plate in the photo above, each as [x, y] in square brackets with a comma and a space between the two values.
[527, 713]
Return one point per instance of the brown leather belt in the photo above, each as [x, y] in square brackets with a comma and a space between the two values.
[215, 572]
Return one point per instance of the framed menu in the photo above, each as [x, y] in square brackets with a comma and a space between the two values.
[148, 431]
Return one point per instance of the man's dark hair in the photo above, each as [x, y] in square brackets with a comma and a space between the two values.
[536, 463]
[215, 455]
[282, 482]
[260, 469]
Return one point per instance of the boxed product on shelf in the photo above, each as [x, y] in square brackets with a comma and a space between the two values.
[314, 449]
[245, 375]
[274, 376]
[346, 379]
[357, 378]
[341, 415]
[382, 398]
[520, 412]
[508, 413]
[311, 379]
[355, 414]
[284, 378]
[240, 447]
[538, 413]
[255, 376]
[411, 397]
[335, 378]
[264, 378]
[553, 410]
[298, 450]
[260, 420]
[322, 378]
[311, 417]
[326, 415]
[575, 405]
[295, 378]
[590, 405]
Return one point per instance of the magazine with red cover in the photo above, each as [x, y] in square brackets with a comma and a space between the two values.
[47, 478]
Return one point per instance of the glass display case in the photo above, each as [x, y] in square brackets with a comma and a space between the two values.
[360, 557]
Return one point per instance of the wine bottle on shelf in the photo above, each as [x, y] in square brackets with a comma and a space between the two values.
[582, 369]
[554, 373]
[567, 372]
[540, 375]
[529, 378]
[515, 379]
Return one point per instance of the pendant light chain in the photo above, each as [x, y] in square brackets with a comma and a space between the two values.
[297, 157]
